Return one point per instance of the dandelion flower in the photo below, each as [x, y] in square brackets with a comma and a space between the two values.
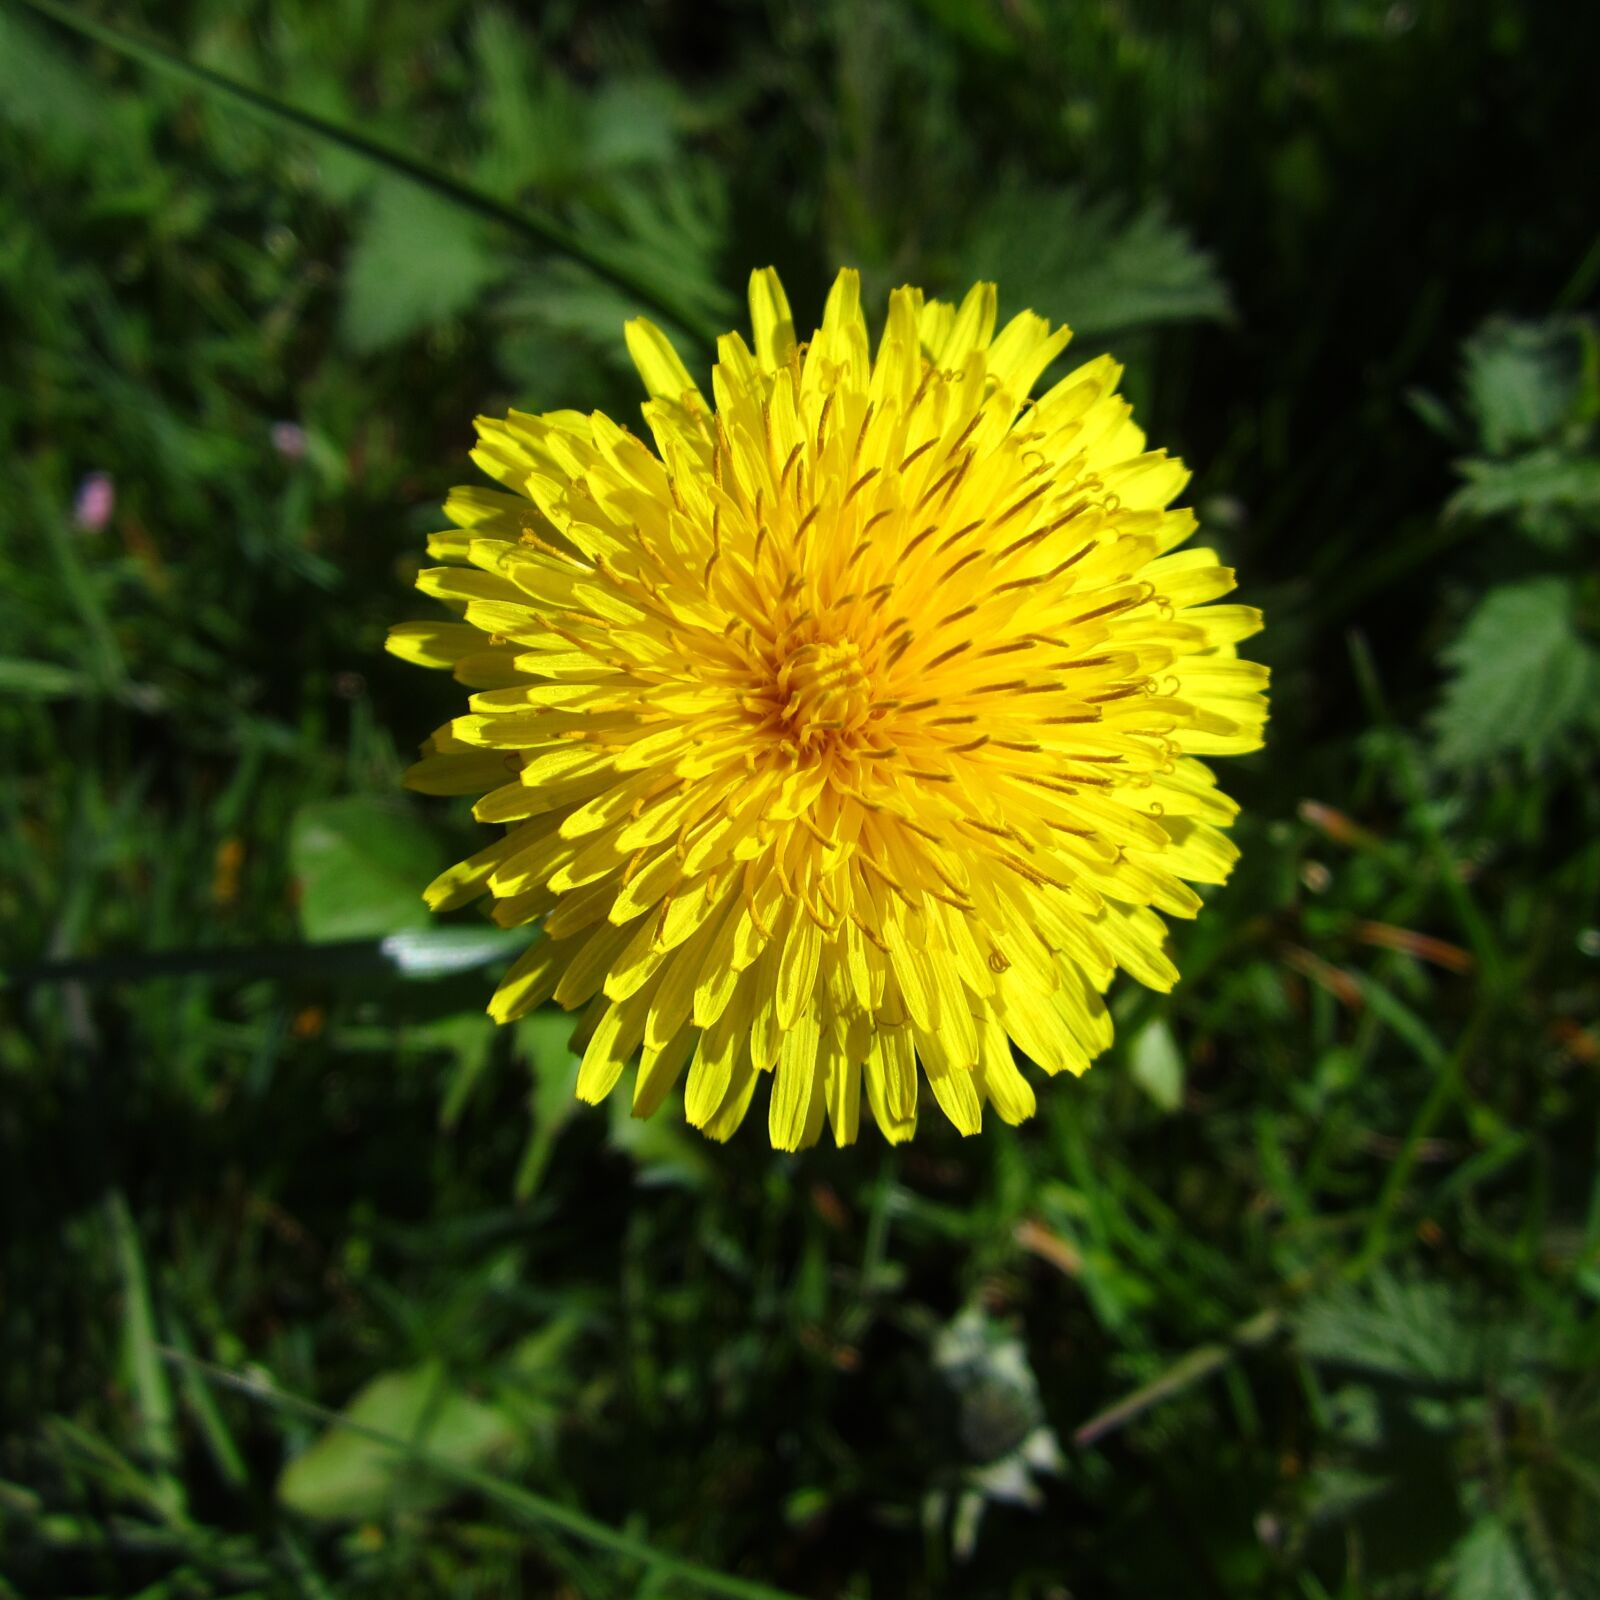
[849, 739]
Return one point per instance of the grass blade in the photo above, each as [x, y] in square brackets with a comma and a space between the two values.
[1183, 1374]
[151, 1392]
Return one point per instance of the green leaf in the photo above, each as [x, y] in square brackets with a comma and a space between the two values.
[980, 23]
[417, 262]
[38, 680]
[1408, 1329]
[1091, 263]
[1486, 1565]
[1523, 677]
[546, 1037]
[469, 1038]
[533, 119]
[361, 866]
[531, 1508]
[44, 91]
[1157, 1064]
[664, 1153]
[345, 1475]
[147, 1378]
[1521, 380]
[540, 228]
[1547, 492]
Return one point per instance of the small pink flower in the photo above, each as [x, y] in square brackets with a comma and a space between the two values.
[289, 440]
[96, 500]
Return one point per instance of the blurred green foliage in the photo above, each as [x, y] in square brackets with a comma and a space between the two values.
[1295, 1295]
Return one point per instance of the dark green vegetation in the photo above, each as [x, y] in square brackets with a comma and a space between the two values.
[1297, 1294]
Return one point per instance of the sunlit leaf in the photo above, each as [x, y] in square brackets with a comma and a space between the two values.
[361, 866]
[1157, 1064]
[344, 1475]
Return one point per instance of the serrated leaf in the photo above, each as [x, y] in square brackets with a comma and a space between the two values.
[1523, 677]
[1486, 1565]
[1091, 263]
[1407, 1329]
[534, 120]
[417, 261]
[361, 866]
[1548, 492]
[346, 1476]
[1521, 380]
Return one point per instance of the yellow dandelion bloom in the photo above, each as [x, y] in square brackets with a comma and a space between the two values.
[849, 737]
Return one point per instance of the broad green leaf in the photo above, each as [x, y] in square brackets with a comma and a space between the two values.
[1157, 1064]
[344, 1475]
[417, 262]
[361, 866]
[1091, 263]
[1523, 678]
[1486, 1565]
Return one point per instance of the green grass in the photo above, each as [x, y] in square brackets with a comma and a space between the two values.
[1296, 1294]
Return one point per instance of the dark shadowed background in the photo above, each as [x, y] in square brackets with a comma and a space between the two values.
[1296, 1294]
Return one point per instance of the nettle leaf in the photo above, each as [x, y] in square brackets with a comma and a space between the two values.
[1523, 680]
[1486, 1565]
[1548, 492]
[361, 866]
[1411, 1330]
[533, 119]
[1094, 264]
[1521, 380]
[417, 261]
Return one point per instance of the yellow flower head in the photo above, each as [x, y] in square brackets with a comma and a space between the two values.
[850, 730]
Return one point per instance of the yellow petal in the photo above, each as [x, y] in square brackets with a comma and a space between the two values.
[660, 366]
[771, 320]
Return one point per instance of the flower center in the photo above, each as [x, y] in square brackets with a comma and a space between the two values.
[824, 689]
